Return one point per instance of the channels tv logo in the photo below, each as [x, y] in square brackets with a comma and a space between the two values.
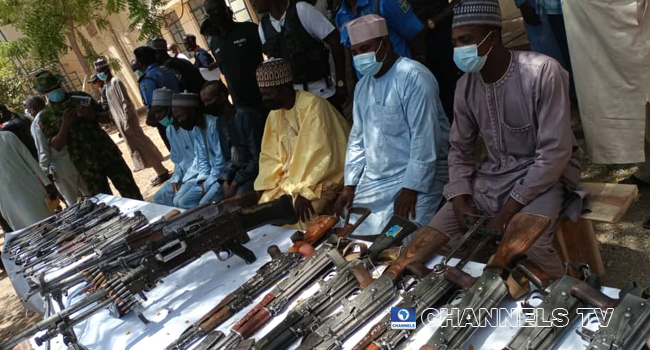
[402, 318]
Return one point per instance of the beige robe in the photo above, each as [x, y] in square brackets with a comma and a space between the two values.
[143, 151]
[609, 43]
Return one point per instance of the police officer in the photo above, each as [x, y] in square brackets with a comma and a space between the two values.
[295, 31]
[202, 58]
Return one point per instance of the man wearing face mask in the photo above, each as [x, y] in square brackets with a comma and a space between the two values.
[238, 51]
[240, 137]
[144, 153]
[202, 58]
[207, 151]
[71, 119]
[519, 103]
[303, 147]
[172, 50]
[396, 162]
[19, 126]
[182, 152]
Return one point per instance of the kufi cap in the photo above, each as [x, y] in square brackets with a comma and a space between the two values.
[100, 63]
[186, 99]
[47, 80]
[367, 27]
[158, 44]
[274, 72]
[477, 12]
[162, 97]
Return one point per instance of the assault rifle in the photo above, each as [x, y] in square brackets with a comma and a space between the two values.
[490, 289]
[375, 294]
[314, 309]
[187, 237]
[628, 327]
[431, 288]
[567, 293]
[265, 276]
[281, 296]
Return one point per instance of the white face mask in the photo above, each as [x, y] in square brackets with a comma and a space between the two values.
[171, 53]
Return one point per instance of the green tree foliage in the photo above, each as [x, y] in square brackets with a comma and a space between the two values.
[14, 86]
[50, 26]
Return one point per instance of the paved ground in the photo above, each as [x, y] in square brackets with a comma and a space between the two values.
[625, 246]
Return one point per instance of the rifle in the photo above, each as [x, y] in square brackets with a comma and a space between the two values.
[266, 275]
[168, 250]
[629, 324]
[567, 293]
[279, 298]
[490, 289]
[313, 310]
[375, 294]
[431, 288]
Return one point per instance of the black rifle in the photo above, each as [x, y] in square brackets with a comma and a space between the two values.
[183, 239]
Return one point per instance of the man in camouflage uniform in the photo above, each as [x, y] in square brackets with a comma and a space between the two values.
[66, 123]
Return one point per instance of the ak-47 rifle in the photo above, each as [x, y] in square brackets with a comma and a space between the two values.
[431, 288]
[375, 294]
[314, 309]
[566, 293]
[280, 264]
[490, 289]
[281, 296]
[628, 326]
[185, 238]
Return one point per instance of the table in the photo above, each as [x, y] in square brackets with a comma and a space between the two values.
[187, 294]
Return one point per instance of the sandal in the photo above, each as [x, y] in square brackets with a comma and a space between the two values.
[160, 179]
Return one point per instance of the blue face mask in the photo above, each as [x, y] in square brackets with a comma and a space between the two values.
[102, 76]
[167, 121]
[467, 58]
[56, 95]
[366, 63]
[138, 74]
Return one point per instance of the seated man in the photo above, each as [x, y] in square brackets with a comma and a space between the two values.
[396, 161]
[182, 152]
[519, 103]
[240, 135]
[303, 147]
[210, 162]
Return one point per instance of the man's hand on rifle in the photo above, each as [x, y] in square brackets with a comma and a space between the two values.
[344, 201]
[176, 186]
[304, 209]
[405, 203]
[505, 214]
[202, 188]
[462, 208]
[229, 189]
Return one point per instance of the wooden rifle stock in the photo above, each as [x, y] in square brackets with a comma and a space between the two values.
[362, 276]
[522, 232]
[375, 332]
[528, 271]
[424, 245]
[321, 226]
[372, 346]
[460, 277]
[592, 296]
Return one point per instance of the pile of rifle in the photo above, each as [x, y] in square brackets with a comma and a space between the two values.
[347, 297]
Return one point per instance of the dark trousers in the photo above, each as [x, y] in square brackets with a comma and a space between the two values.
[559, 32]
[162, 131]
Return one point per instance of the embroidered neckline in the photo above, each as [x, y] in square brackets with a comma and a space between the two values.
[506, 75]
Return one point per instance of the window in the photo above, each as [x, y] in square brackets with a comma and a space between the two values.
[176, 30]
[197, 10]
[91, 29]
[238, 7]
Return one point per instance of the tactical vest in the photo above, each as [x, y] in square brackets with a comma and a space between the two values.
[308, 56]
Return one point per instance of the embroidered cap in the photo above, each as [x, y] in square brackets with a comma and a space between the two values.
[100, 63]
[162, 97]
[274, 72]
[186, 99]
[367, 27]
[477, 12]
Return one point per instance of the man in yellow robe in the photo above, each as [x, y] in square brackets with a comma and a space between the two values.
[303, 147]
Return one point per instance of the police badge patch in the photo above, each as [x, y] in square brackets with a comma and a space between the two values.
[404, 5]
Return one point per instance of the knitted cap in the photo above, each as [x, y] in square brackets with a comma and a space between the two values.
[367, 27]
[162, 97]
[477, 12]
[100, 63]
[274, 72]
[158, 44]
[186, 99]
